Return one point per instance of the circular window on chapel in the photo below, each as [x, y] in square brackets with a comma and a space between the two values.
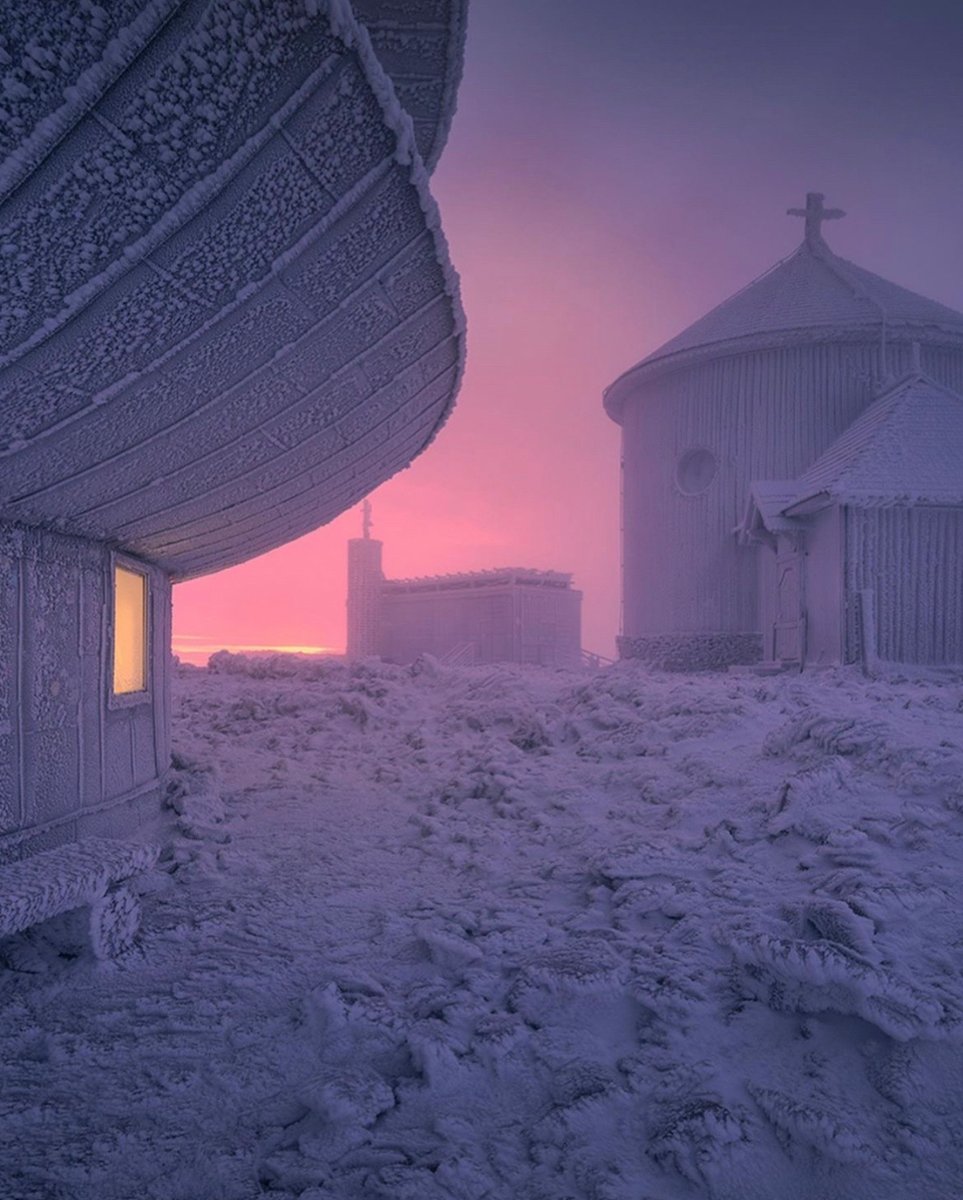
[696, 470]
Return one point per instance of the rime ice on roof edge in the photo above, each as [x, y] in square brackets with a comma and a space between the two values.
[490, 576]
[82, 94]
[407, 153]
[395, 119]
[457, 14]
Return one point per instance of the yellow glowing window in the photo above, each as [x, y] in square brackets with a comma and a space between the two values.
[130, 631]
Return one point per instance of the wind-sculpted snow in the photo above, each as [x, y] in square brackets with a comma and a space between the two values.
[228, 306]
[439, 934]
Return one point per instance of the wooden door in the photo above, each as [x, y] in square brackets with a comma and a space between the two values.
[789, 629]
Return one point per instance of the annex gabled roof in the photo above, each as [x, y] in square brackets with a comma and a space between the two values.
[228, 310]
[764, 509]
[814, 295]
[907, 447]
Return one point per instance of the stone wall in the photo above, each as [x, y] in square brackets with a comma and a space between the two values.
[693, 651]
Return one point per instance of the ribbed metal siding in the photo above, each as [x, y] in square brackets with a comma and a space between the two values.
[764, 415]
[910, 558]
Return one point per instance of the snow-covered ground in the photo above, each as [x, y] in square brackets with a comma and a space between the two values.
[505, 934]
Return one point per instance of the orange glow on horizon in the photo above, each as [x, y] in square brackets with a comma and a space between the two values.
[197, 648]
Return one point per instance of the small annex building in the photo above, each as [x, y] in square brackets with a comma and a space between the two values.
[510, 614]
[861, 558]
[227, 314]
[784, 396]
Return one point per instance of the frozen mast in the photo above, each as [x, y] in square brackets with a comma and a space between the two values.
[365, 579]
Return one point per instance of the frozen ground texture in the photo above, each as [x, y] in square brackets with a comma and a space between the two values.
[503, 933]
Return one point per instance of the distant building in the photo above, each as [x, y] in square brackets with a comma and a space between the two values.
[764, 388]
[511, 614]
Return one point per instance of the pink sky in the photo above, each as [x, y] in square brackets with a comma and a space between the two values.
[605, 184]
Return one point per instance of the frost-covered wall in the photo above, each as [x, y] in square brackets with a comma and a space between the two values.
[761, 414]
[229, 307]
[496, 616]
[73, 760]
[910, 558]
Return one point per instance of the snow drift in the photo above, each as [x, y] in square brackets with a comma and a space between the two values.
[514, 933]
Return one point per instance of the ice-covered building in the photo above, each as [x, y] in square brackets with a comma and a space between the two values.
[755, 392]
[862, 558]
[511, 614]
[226, 313]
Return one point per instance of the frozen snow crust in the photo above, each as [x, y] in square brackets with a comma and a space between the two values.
[521, 935]
[228, 310]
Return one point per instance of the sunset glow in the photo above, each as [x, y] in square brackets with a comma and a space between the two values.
[609, 178]
[197, 649]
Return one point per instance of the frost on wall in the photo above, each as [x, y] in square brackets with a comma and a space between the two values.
[419, 43]
[72, 762]
[228, 295]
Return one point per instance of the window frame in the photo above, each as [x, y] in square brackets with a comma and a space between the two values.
[689, 454]
[145, 695]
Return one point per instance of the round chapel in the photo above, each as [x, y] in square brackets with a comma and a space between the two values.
[721, 427]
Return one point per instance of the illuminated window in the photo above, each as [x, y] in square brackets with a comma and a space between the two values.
[130, 631]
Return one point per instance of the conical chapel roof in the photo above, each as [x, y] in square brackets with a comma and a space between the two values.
[813, 295]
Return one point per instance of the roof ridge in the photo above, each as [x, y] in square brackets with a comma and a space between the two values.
[839, 267]
[758, 279]
[878, 412]
[914, 375]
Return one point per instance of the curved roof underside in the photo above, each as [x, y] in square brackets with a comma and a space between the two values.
[813, 294]
[228, 311]
[420, 44]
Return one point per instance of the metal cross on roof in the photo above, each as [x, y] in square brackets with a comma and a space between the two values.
[815, 214]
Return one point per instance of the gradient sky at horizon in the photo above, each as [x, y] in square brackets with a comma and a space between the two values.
[614, 171]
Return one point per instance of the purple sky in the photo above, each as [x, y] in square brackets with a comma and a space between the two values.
[615, 169]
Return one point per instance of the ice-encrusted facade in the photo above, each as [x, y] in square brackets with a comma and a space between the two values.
[756, 390]
[861, 560]
[511, 614]
[226, 313]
